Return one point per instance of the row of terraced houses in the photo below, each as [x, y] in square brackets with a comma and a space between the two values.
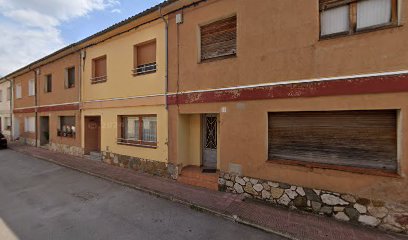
[302, 104]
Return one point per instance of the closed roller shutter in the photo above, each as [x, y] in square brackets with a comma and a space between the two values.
[364, 139]
[219, 39]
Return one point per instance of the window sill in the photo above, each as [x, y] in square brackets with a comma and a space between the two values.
[231, 56]
[137, 145]
[360, 31]
[143, 74]
[366, 171]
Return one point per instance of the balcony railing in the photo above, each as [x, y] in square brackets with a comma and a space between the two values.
[145, 69]
[100, 79]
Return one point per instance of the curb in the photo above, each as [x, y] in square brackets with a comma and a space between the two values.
[233, 218]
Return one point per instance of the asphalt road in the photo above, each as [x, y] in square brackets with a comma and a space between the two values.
[40, 200]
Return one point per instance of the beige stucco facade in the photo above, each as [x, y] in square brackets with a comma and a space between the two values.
[127, 94]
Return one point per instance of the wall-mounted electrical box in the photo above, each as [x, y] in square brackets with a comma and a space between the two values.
[179, 18]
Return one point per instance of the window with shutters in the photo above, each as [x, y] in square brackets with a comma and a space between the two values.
[346, 17]
[8, 94]
[1, 95]
[18, 90]
[219, 39]
[99, 73]
[145, 58]
[48, 83]
[29, 124]
[138, 130]
[31, 87]
[70, 77]
[354, 139]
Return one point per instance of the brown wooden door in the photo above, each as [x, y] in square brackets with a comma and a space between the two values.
[92, 134]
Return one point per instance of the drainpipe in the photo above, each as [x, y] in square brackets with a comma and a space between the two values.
[166, 87]
[37, 73]
[166, 37]
[82, 56]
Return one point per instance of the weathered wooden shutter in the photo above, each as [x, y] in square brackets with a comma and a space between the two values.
[100, 67]
[365, 139]
[219, 39]
[146, 53]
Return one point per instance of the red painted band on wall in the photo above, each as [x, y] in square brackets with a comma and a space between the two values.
[67, 107]
[364, 85]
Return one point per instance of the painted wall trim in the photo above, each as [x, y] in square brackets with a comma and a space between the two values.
[123, 98]
[346, 85]
[51, 107]
[346, 77]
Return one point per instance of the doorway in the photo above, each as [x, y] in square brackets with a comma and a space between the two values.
[92, 134]
[209, 147]
[44, 130]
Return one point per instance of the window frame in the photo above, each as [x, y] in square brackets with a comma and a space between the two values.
[31, 94]
[60, 132]
[67, 85]
[27, 124]
[199, 33]
[19, 91]
[8, 94]
[352, 6]
[99, 79]
[339, 167]
[47, 78]
[151, 66]
[139, 143]
[1, 95]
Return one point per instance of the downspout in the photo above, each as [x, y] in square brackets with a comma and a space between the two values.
[36, 72]
[166, 37]
[166, 87]
[82, 56]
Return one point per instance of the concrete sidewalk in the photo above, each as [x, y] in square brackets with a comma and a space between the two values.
[291, 224]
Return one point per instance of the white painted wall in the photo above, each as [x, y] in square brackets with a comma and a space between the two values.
[5, 109]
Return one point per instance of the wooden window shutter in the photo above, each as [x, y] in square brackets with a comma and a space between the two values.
[219, 39]
[362, 139]
[145, 53]
[100, 67]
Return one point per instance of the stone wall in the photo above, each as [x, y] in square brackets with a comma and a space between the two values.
[27, 141]
[156, 168]
[344, 207]
[66, 149]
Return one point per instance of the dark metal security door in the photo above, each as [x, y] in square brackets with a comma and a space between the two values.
[209, 124]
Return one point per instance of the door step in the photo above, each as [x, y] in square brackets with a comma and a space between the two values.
[194, 176]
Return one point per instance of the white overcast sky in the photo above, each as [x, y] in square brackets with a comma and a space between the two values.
[31, 29]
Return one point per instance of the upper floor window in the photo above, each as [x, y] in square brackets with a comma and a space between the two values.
[145, 58]
[219, 39]
[70, 77]
[99, 73]
[48, 83]
[344, 17]
[31, 87]
[18, 90]
[8, 94]
[1, 95]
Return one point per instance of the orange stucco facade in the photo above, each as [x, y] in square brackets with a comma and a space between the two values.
[289, 50]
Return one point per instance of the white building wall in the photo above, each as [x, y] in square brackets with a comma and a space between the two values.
[5, 109]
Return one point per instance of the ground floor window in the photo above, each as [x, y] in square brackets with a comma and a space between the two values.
[138, 130]
[29, 124]
[361, 139]
[7, 123]
[66, 126]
